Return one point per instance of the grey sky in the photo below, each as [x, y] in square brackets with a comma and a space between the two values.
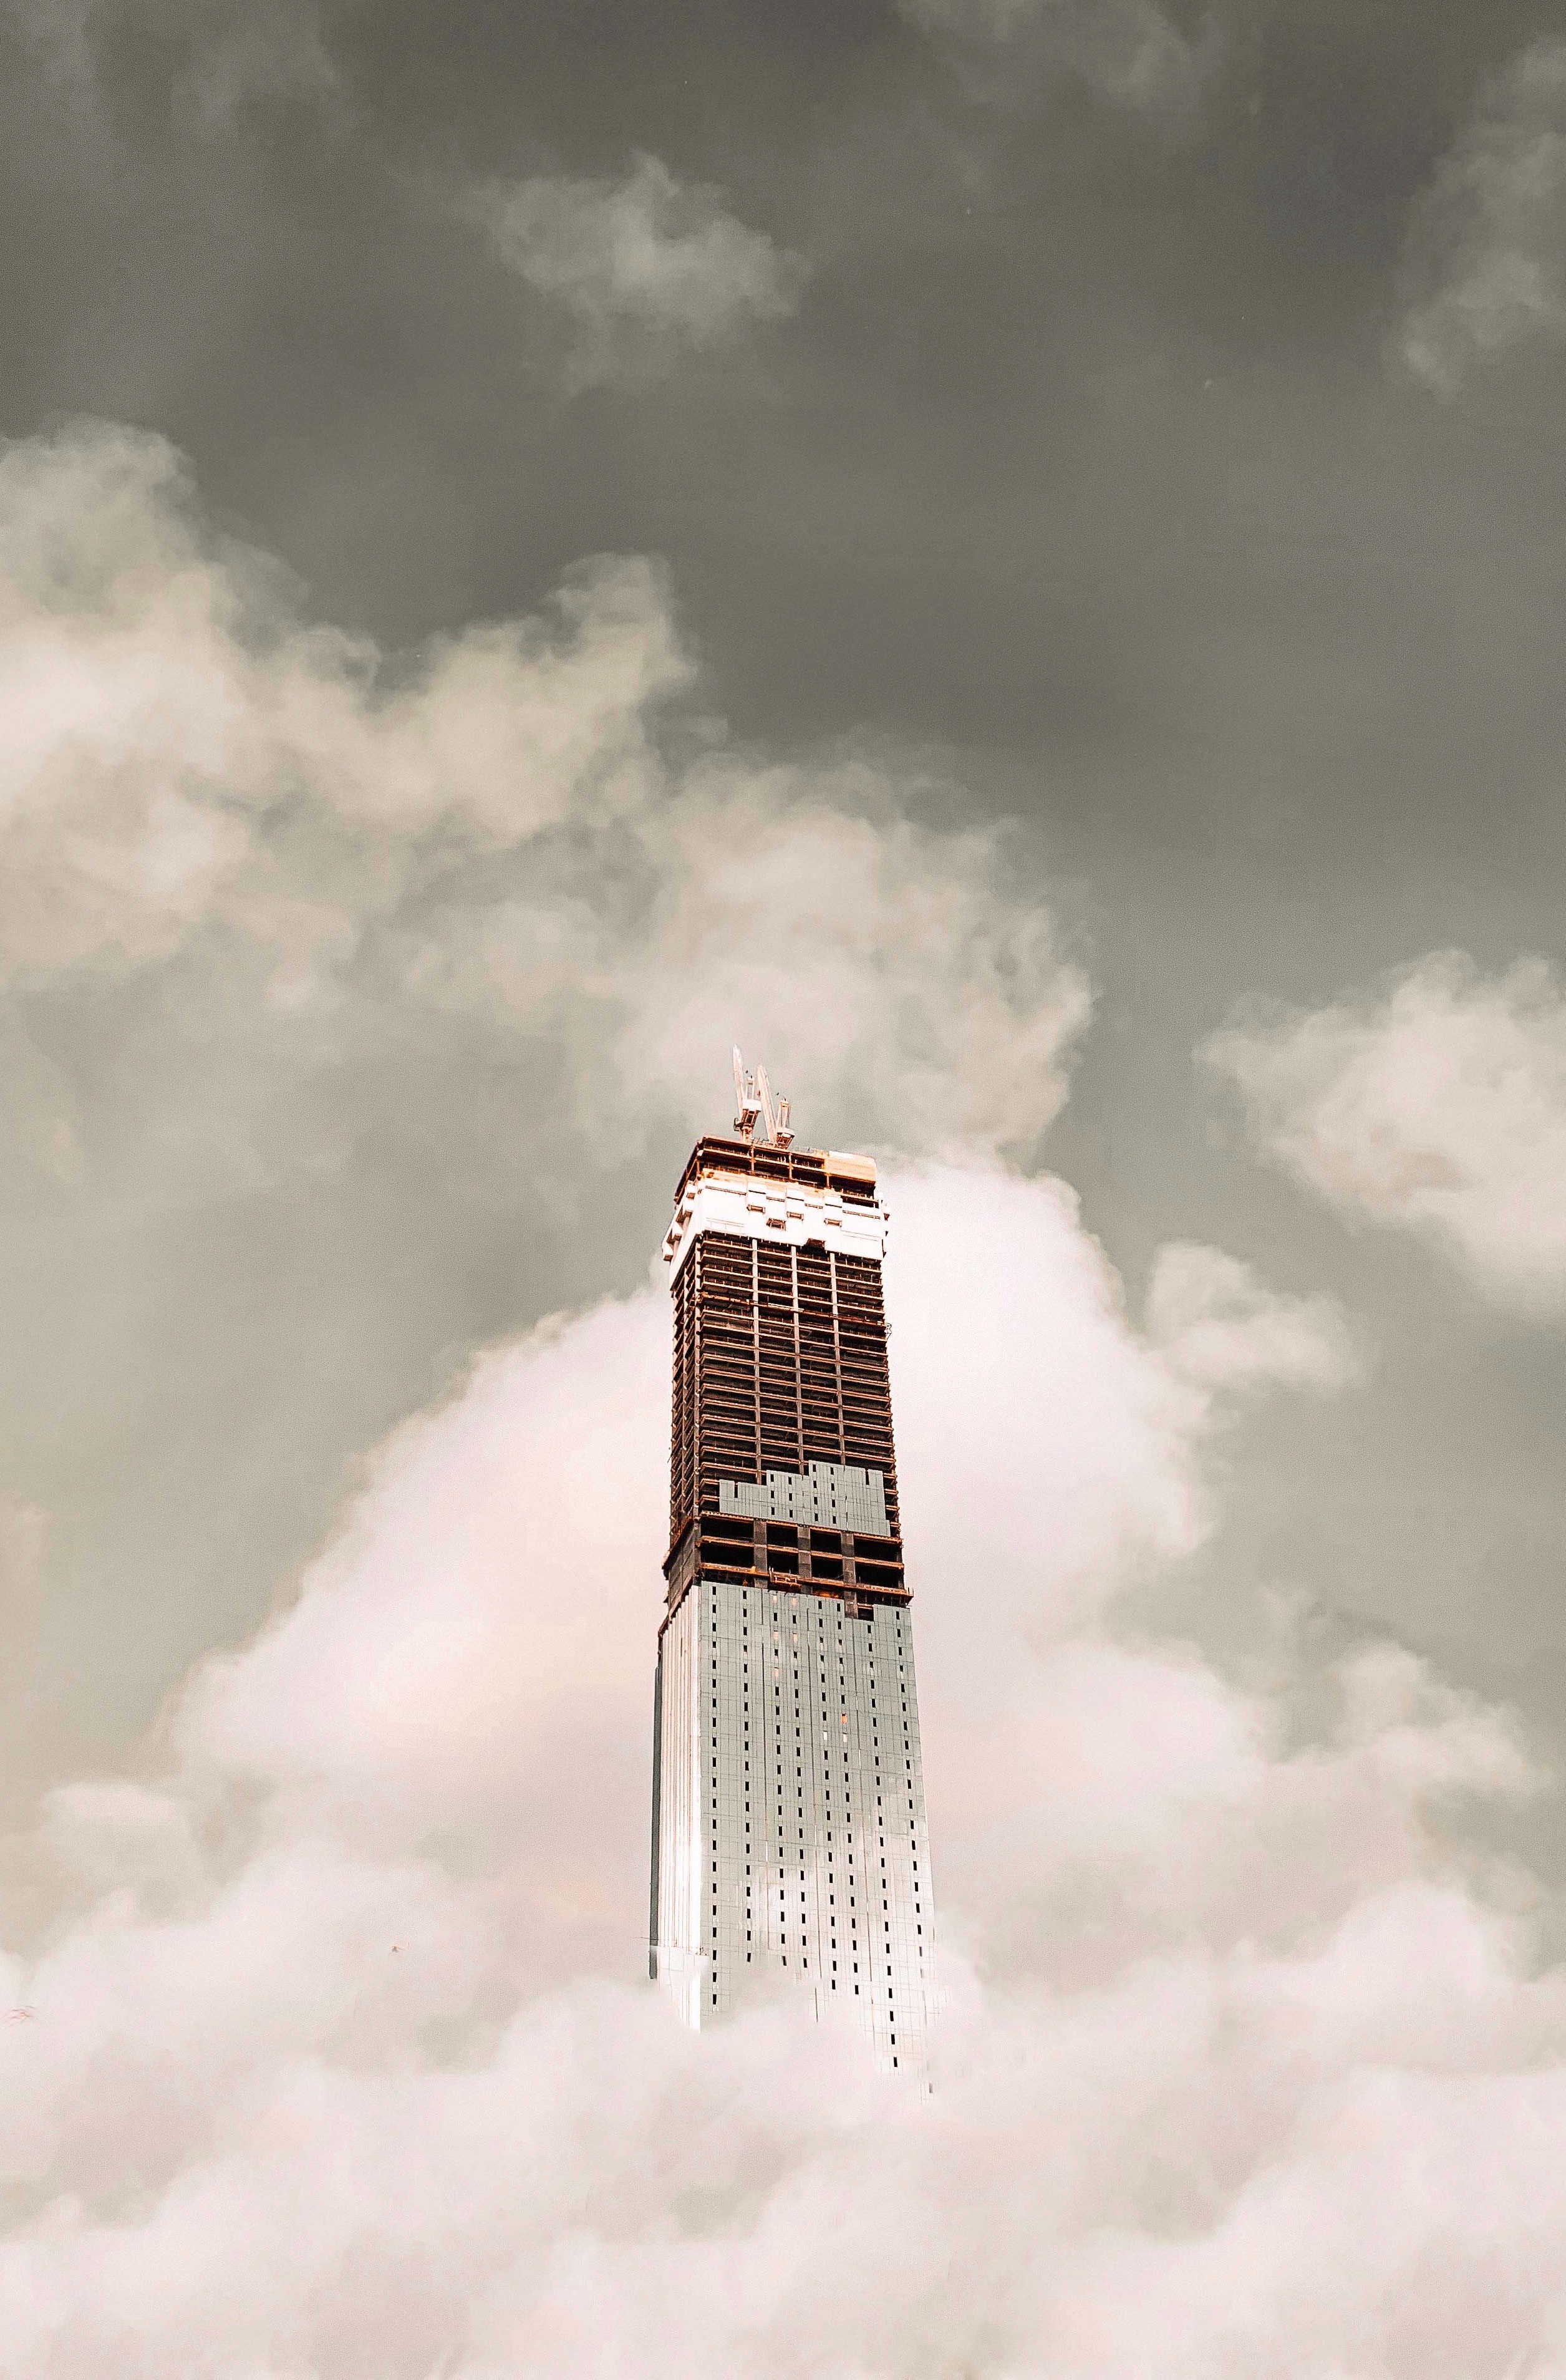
[1082, 486]
[1087, 474]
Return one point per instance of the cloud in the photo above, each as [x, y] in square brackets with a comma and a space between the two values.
[645, 267]
[1129, 50]
[198, 778]
[169, 712]
[231, 54]
[1485, 254]
[1436, 1104]
[350, 1000]
[337, 2061]
[1217, 1324]
[338, 2056]
[884, 969]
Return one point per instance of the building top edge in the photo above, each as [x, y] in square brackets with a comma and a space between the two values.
[847, 1216]
[819, 1169]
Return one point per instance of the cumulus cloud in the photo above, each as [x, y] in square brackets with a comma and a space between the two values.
[1220, 1325]
[194, 772]
[1435, 1103]
[337, 2061]
[1488, 242]
[645, 267]
[340, 988]
[331, 2050]
[1131, 51]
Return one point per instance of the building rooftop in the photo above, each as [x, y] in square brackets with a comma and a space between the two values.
[819, 1169]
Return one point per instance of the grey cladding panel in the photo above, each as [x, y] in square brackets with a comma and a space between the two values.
[829, 1496]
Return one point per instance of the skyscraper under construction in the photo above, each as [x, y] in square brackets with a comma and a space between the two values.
[788, 1833]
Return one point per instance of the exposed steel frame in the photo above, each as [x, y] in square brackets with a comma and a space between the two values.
[816, 1168]
[780, 1361]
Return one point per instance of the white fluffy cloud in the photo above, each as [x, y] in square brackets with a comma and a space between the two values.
[645, 267]
[1220, 1325]
[1490, 233]
[193, 770]
[1436, 1103]
[338, 2063]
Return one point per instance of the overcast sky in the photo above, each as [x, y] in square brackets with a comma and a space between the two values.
[1008, 554]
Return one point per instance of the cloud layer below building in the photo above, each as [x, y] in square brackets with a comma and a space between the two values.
[338, 2059]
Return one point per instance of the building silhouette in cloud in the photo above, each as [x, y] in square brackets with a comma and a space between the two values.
[789, 1843]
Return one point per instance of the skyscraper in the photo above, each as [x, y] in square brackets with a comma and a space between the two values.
[788, 1840]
